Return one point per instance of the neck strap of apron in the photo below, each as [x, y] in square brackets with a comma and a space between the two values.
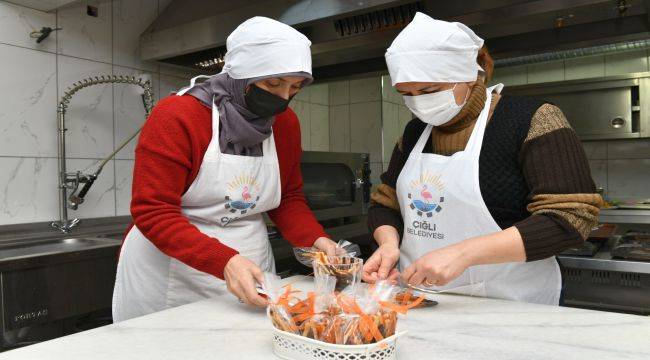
[476, 139]
[182, 91]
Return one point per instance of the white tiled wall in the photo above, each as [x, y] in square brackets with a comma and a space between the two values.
[33, 76]
[395, 116]
[621, 167]
[311, 105]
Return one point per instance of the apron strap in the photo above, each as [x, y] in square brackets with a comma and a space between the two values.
[419, 146]
[192, 83]
[476, 139]
[214, 149]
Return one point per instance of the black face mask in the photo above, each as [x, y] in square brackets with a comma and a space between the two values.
[263, 103]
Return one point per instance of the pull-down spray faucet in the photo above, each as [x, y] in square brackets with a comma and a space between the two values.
[72, 180]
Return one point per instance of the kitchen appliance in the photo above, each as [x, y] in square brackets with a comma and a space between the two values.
[336, 185]
[633, 245]
[615, 107]
[594, 242]
[616, 278]
[337, 189]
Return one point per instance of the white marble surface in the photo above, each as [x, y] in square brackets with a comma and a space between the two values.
[458, 328]
[28, 105]
[28, 189]
[123, 185]
[86, 36]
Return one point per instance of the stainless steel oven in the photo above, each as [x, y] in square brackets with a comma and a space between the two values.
[335, 184]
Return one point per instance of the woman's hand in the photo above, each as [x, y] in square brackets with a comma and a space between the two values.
[381, 265]
[326, 245]
[241, 276]
[438, 267]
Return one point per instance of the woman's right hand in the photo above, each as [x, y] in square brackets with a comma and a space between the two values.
[241, 276]
[381, 265]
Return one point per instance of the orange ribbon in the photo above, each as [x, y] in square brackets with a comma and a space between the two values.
[405, 306]
[304, 310]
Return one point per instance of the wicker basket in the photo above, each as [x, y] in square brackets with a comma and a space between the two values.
[295, 347]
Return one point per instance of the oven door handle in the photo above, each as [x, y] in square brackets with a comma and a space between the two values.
[359, 183]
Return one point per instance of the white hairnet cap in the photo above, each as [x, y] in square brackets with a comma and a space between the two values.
[261, 46]
[429, 50]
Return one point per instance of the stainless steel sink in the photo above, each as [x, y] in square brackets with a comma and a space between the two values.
[33, 248]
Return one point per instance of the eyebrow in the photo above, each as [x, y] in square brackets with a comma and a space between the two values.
[430, 87]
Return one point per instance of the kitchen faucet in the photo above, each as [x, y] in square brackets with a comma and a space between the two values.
[72, 180]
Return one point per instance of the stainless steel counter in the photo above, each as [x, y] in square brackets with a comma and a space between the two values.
[603, 261]
[621, 216]
[50, 281]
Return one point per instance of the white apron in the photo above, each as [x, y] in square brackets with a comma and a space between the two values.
[441, 204]
[225, 201]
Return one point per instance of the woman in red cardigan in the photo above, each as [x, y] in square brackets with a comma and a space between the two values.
[210, 161]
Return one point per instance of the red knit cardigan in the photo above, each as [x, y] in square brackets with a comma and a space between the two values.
[167, 159]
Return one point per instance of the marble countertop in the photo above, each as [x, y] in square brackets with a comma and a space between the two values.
[458, 328]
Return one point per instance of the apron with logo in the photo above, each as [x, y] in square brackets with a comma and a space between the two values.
[441, 204]
[226, 201]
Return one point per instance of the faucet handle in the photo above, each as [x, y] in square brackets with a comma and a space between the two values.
[65, 226]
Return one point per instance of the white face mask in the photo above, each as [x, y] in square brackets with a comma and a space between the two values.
[436, 108]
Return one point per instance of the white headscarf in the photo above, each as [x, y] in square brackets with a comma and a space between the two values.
[261, 47]
[429, 50]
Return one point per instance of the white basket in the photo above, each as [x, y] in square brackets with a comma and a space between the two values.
[295, 347]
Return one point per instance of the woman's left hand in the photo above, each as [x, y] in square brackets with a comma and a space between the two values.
[437, 267]
[326, 245]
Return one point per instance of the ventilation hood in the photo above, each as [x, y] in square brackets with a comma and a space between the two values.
[350, 36]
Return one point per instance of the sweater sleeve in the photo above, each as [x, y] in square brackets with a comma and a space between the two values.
[563, 203]
[163, 164]
[293, 218]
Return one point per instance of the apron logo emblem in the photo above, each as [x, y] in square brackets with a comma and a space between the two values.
[421, 197]
[243, 194]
